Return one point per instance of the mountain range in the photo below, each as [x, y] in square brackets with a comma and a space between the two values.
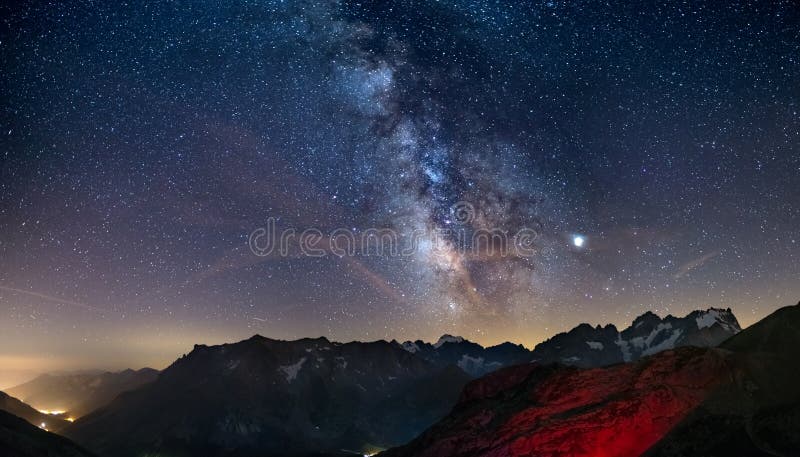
[316, 397]
[586, 346]
[268, 397]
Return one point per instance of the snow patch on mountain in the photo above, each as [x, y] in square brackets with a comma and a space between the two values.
[469, 364]
[624, 348]
[477, 365]
[644, 344]
[637, 342]
[291, 371]
[596, 345]
[668, 343]
[410, 346]
[652, 336]
[723, 317]
[707, 319]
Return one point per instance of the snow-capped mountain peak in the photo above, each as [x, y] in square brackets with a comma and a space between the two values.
[448, 339]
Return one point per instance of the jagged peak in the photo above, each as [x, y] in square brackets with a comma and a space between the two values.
[319, 339]
[647, 316]
[507, 344]
[718, 316]
[722, 315]
[582, 326]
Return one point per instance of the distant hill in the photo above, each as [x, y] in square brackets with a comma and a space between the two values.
[740, 399]
[18, 438]
[80, 393]
[18, 408]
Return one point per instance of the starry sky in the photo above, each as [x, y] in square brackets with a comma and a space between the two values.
[653, 150]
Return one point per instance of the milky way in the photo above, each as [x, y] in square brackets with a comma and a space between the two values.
[143, 144]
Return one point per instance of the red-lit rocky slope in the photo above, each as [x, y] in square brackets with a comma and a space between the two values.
[534, 410]
[625, 410]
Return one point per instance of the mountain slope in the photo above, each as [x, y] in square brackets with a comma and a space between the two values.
[269, 397]
[740, 399]
[18, 438]
[758, 413]
[16, 407]
[554, 410]
[80, 394]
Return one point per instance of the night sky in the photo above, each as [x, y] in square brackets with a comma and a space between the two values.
[654, 150]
